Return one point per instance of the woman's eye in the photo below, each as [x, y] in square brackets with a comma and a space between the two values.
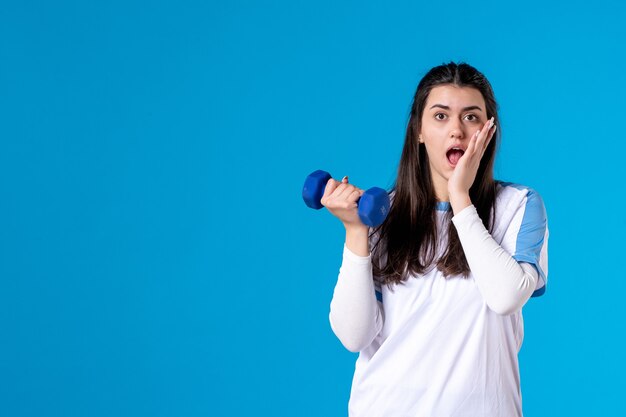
[473, 117]
[439, 114]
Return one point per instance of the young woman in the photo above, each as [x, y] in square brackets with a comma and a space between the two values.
[432, 298]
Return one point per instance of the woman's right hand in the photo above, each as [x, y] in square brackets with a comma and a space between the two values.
[340, 198]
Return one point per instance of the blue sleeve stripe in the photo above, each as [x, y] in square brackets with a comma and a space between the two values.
[539, 291]
[530, 239]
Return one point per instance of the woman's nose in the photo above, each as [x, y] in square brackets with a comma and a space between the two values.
[456, 130]
[456, 134]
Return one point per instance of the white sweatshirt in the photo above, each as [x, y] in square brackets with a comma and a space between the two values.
[429, 315]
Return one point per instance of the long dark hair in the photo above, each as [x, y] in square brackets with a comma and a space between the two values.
[408, 237]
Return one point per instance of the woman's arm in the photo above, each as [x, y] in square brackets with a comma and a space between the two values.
[505, 284]
[355, 315]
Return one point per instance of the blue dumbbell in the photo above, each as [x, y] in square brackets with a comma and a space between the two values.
[373, 205]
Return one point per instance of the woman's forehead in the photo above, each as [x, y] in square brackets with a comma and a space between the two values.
[455, 98]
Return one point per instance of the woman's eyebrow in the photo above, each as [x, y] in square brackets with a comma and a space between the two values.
[464, 108]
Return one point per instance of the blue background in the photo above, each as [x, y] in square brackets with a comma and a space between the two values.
[156, 257]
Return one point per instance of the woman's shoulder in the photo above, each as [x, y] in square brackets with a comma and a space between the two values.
[506, 191]
[513, 197]
[513, 185]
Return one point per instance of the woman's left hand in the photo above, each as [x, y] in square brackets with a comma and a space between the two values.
[464, 173]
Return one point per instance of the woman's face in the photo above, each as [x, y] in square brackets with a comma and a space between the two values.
[451, 116]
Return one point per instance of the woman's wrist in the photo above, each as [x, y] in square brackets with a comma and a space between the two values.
[459, 201]
[357, 240]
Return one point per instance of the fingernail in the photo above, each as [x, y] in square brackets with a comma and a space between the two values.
[344, 178]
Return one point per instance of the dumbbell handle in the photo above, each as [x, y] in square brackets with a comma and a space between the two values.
[373, 205]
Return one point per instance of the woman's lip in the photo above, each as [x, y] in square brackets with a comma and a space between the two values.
[456, 146]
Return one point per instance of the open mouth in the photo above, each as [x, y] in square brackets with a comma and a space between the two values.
[454, 155]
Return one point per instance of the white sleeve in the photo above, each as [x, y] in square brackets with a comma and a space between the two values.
[355, 316]
[504, 283]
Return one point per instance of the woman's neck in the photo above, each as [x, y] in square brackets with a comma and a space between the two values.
[441, 188]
